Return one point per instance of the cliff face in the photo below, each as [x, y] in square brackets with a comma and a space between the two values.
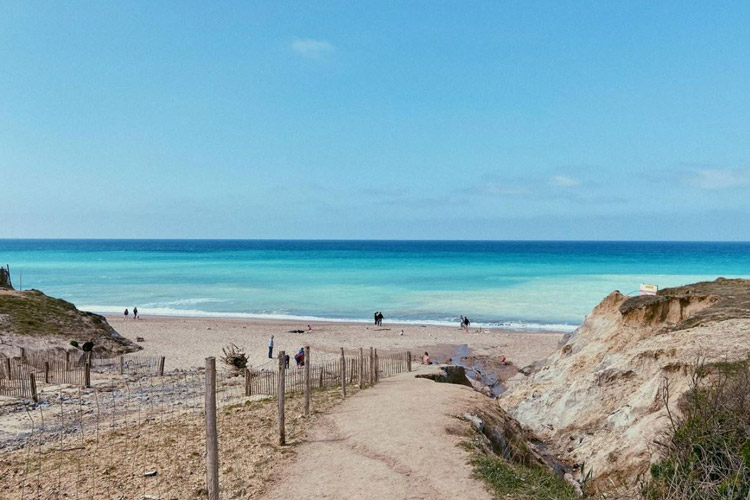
[597, 400]
[32, 319]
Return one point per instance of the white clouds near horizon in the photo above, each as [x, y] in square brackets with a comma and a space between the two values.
[310, 48]
[564, 181]
[714, 179]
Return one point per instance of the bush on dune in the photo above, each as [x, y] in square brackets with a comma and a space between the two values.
[707, 449]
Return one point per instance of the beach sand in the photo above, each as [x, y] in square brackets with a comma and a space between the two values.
[186, 342]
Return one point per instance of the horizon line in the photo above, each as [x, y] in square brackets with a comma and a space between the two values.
[384, 240]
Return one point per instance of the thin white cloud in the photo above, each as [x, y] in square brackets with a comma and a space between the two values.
[564, 181]
[311, 49]
[503, 190]
[714, 179]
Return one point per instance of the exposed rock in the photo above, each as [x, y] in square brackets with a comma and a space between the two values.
[597, 401]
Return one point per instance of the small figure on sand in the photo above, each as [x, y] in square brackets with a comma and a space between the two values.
[309, 328]
[300, 357]
[465, 323]
[286, 361]
[426, 359]
[135, 313]
[126, 313]
[270, 348]
[378, 318]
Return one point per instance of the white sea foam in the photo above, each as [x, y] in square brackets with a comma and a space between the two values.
[195, 313]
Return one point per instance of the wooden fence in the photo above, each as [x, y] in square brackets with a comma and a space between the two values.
[20, 375]
[130, 364]
[326, 374]
[16, 388]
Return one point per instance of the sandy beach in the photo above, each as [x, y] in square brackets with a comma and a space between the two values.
[186, 342]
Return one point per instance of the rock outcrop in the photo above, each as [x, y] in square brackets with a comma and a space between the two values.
[598, 399]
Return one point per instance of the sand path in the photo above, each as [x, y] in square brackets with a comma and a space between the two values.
[397, 440]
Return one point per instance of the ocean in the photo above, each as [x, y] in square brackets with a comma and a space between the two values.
[528, 285]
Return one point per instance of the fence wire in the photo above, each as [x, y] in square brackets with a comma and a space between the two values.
[143, 436]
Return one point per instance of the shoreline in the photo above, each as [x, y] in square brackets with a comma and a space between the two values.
[186, 341]
[300, 320]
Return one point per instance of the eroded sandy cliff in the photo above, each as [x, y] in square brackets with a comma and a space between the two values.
[597, 399]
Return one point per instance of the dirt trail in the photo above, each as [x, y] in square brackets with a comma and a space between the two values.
[397, 441]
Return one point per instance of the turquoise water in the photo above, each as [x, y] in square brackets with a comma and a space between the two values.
[530, 285]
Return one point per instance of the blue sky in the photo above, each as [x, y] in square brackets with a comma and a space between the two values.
[445, 120]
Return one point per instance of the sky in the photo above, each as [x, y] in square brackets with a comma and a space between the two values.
[383, 120]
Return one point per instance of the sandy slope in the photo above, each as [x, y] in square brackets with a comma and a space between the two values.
[397, 440]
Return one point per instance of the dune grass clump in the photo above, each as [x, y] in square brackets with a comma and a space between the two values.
[707, 447]
[521, 482]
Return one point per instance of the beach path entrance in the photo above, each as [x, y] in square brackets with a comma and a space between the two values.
[398, 439]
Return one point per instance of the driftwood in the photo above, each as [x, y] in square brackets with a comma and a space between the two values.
[235, 358]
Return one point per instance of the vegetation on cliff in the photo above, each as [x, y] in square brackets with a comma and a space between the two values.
[32, 315]
[707, 446]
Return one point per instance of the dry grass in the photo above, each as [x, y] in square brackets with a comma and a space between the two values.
[112, 465]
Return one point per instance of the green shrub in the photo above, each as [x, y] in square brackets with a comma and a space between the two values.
[707, 450]
[74, 343]
[88, 346]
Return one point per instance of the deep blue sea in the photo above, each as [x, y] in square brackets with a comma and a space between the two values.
[513, 284]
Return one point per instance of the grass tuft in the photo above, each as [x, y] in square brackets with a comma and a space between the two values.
[520, 482]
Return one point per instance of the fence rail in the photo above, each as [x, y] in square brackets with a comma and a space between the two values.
[145, 437]
[67, 367]
[325, 374]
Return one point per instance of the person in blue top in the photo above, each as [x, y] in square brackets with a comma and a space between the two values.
[300, 357]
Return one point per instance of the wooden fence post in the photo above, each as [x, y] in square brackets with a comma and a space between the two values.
[371, 361]
[282, 428]
[377, 367]
[46, 372]
[23, 354]
[34, 395]
[122, 365]
[212, 437]
[248, 383]
[67, 360]
[87, 375]
[408, 361]
[308, 382]
[7, 368]
[361, 369]
[343, 374]
[161, 366]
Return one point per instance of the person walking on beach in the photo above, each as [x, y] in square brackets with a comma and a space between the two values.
[465, 323]
[135, 313]
[286, 361]
[379, 319]
[126, 313]
[270, 348]
[376, 317]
